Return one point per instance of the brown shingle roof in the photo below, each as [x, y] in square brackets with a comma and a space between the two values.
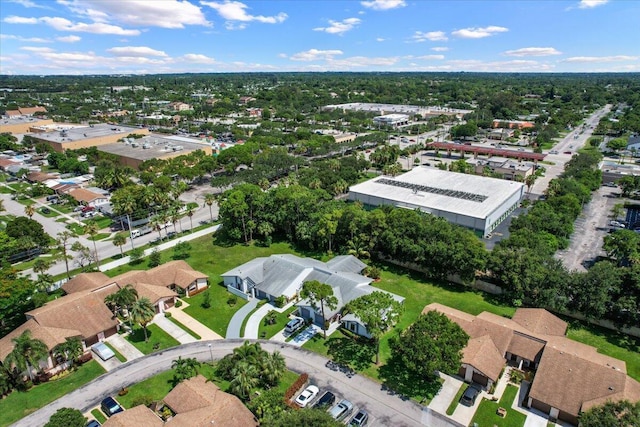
[85, 282]
[31, 110]
[83, 195]
[526, 346]
[177, 273]
[152, 292]
[540, 321]
[198, 402]
[50, 336]
[86, 313]
[565, 381]
[138, 416]
[482, 354]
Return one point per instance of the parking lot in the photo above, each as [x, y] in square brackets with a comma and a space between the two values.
[337, 398]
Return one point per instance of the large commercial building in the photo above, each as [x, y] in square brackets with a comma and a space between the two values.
[62, 137]
[475, 202]
[133, 151]
[21, 124]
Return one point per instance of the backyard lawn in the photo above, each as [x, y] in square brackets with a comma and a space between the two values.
[158, 339]
[486, 415]
[20, 404]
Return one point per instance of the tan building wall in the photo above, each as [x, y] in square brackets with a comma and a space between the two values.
[23, 127]
[60, 147]
[134, 163]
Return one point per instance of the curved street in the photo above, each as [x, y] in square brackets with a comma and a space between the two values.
[385, 407]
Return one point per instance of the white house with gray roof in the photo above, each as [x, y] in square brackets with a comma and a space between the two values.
[284, 275]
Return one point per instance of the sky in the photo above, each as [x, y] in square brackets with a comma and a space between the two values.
[177, 36]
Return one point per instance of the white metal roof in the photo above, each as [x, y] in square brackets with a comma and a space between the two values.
[493, 191]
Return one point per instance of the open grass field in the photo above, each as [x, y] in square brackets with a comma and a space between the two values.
[486, 415]
[20, 404]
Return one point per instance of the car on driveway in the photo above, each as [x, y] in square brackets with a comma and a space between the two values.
[93, 423]
[293, 325]
[341, 410]
[470, 395]
[307, 396]
[110, 407]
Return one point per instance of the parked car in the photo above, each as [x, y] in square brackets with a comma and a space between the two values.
[46, 210]
[93, 423]
[110, 407]
[341, 410]
[307, 396]
[293, 325]
[360, 419]
[88, 208]
[325, 400]
[52, 197]
[470, 395]
[553, 152]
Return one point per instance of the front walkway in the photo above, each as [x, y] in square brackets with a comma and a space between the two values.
[235, 325]
[191, 323]
[182, 336]
[125, 348]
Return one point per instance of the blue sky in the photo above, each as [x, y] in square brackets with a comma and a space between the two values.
[163, 36]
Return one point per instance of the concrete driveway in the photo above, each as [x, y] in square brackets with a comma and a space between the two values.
[385, 406]
[445, 396]
[125, 348]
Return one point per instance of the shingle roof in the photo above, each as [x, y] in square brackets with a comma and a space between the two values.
[85, 282]
[138, 416]
[198, 402]
[50, 336]
[84, 195]
[540, 321]
[346, 263]
[177, 273]
[152, 292]
[482, 354]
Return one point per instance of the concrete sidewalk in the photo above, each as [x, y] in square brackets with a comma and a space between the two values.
[235, 325]
[182, 336]
[191, 323]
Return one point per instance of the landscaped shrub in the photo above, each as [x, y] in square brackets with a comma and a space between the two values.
[516, 376]
[167, 314]
[233, 300]
[280, 301]
[206, 301]
[178, 304]
[145, 400]
[297, 385]
[373, 272]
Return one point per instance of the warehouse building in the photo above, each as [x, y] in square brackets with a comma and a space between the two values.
[133, 151]
[21, 124]
[62, 137]
[474, 202]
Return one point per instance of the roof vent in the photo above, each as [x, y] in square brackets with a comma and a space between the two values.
[611, 388]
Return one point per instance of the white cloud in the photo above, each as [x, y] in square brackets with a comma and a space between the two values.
[69, 39]
[24, 39]
[315, 55]
[136, 51]
[20, 20]
[37, 49]
[237, 11]
[440, 49]
[533, 51]
[62, 24]
[433, 36]
[601, 58]
[196, 58]
[478, 33]
[164, 14]
[361, 61]
[427, 57]
[28, 4]
[516, 65]
[589, 4]
[380, 39]
[383, 4]
[339, 27]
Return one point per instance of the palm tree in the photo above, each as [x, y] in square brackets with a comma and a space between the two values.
[209, 199]
[185, 368]
[123, 298]
[190, 215]
[156, 224]
[142, 312]
[120, 240]
[529, 181]
[62, 240]
[248, 352]
[272, 367]
[1, 205]
[174, 216]
[26, 353]
[7, 382]
[245, 379]
[29, 210]
[71, 349]
[92, 229]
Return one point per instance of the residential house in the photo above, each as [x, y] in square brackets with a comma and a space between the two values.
[283, 276]
[88, 197]
[82, 312]
[179, 106]
[195, 402]
[571, 377]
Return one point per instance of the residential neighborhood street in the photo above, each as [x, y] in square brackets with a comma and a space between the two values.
[386, 407]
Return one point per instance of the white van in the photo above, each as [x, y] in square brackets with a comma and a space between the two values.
[135, 233]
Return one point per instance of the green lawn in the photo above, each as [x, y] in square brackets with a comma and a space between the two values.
[20, 404]
[618, 345]
[51, 213]
[486, 414]
[217, 316]
[281, 320]
[99, 416]
[156, 337]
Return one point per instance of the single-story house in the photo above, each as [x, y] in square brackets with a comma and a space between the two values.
[283, 276]
[87, 197]
[571, 377]
[82, 312]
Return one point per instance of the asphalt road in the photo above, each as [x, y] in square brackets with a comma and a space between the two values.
[385, 407]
